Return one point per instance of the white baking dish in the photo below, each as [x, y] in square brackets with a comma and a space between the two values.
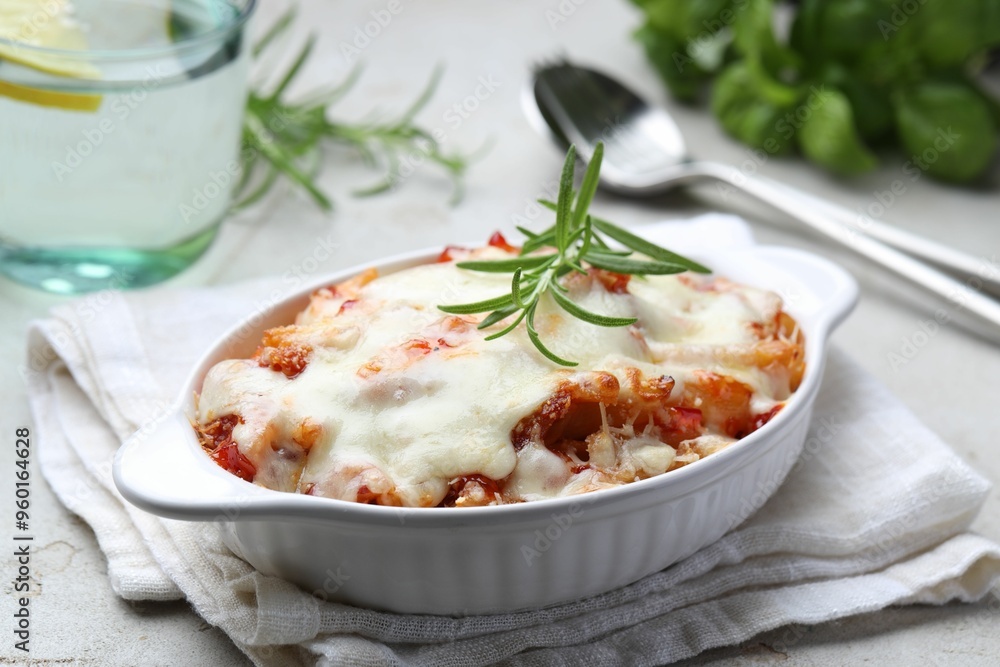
[489, 559]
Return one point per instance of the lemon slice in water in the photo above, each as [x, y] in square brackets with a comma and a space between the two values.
[46, 24]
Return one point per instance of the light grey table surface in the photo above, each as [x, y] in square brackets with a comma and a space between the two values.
[952, 380]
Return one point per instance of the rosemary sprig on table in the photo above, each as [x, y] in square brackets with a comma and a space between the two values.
[287, 138]
[571, 244]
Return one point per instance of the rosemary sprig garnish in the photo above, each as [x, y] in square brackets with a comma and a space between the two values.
[287, 137]
[571, 244]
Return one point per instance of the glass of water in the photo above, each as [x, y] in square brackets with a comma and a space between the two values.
[120, 129]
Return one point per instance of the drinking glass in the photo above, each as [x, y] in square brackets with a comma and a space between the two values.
[120, 129]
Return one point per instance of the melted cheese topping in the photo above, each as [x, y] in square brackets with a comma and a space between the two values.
[375, 395]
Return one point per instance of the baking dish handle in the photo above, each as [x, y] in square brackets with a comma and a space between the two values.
[158, 469]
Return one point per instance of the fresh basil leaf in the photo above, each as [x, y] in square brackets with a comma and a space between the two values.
[753, 36]
[949, 33]
[689, 17]
[948, 129]
[754, 108]
[874, 39]
[991, 102]
[806, 29]
[668, 54]
[870, 103]
[828, 136]
[849, 26]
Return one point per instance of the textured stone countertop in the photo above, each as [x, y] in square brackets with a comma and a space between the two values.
[950, 379]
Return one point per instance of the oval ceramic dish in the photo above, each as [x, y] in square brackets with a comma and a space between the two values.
[475, 560]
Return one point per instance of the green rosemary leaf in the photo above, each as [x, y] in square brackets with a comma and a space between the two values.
[274, 31]
[565, 202]
[588, 188]
[497, 315]
[508, 329]
[609, 251]
[599, 242]
[635, 267]
[546, 238]
[257, 193]
[286, 166]
[293, 71]
[287, 138]
[479, 306]
[537, 341]
[324, 99]
[425, 96]
[552, 356]
[507, 265]
[581, 313]
[647, 248]
[377, 188]
[588, 235]
[575, 237]
[515, 289]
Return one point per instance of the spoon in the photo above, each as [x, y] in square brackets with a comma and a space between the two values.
[644, 154]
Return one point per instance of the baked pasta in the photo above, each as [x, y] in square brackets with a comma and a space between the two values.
[375, 396]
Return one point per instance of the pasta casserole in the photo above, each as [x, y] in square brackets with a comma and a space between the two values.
[374, 395]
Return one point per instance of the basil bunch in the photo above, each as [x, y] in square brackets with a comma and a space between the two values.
[851, 77]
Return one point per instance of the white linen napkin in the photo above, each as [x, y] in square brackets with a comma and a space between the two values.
[875, 513]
